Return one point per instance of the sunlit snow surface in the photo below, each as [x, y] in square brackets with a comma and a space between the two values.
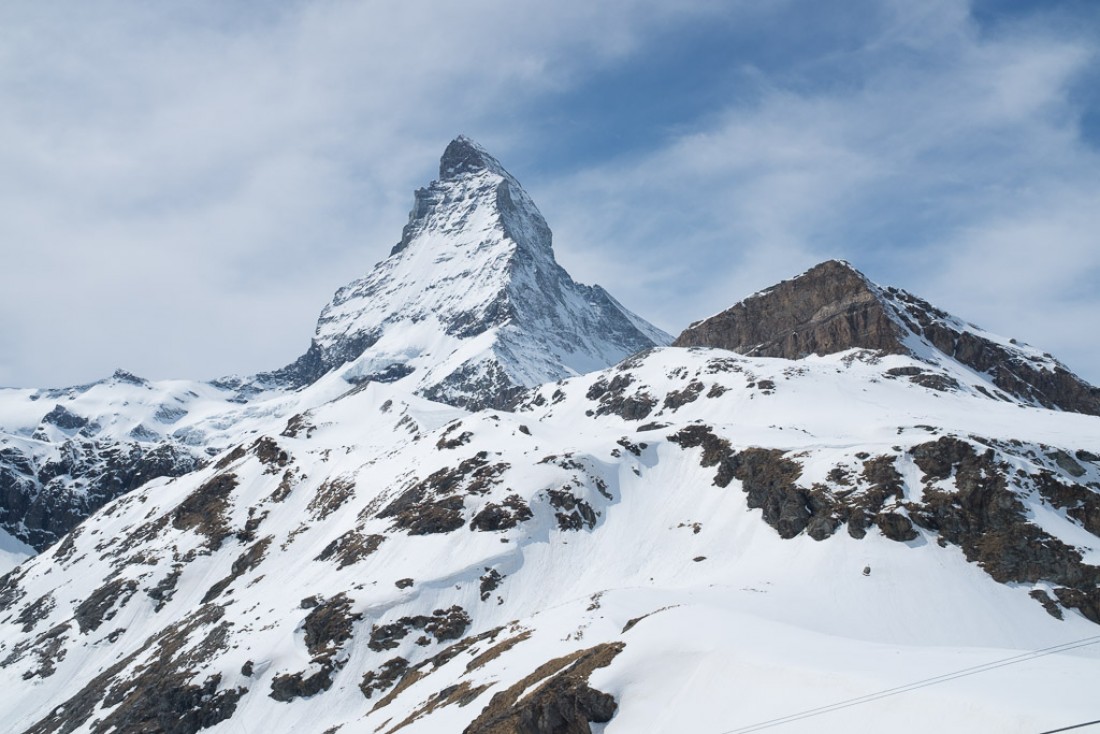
[758, 628]
[12, 552]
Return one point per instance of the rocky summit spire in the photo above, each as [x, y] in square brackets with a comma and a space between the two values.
[474, 262]
[463, 155]
[833, 307]
[471, 180]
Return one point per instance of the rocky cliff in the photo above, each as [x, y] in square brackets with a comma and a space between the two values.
[833, 307]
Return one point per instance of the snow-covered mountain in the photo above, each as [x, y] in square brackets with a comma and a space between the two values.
[66, 452]
[471, 302]
[469, 308]
[691, 540]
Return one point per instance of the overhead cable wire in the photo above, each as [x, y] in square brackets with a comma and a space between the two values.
[965, 672]
[1068, 728]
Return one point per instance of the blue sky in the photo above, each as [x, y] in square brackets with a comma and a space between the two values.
[183, 186]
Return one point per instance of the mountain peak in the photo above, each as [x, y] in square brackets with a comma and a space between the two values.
[835, 273]
[832, 307]
[829, 308]
[837, 267]
[462, 156]
[471, 304]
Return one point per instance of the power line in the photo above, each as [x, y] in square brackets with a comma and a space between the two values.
[1075, 726]
[1031, 655]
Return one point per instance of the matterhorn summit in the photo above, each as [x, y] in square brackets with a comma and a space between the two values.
[471, 304]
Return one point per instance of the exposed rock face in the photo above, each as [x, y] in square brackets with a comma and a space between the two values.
[40, 501]
[1042, 381]
[164, 692]
[832, 307]
[828, 309]
[327, 629]
[563, 704]
[990, 523]
[981, 511]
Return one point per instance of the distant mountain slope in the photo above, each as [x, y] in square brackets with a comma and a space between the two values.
[833, 307]
[12, 552]
[690, 541]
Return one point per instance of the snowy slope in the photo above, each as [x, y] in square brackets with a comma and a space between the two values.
[12, 552]
[691, 541]
[65, 452]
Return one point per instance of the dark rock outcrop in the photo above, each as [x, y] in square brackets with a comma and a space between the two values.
[64, 419]
[350, 548]
[327, 629]
[980, 510]
[504, 516]
[156, 688]
[38, 503]
[204, 510]
[828, 309]
[247, 561]
[614, 398]
[563, 703]
[984, 517]
[768, 479]
[102, 604]
[1048, 384]
[442, 624]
